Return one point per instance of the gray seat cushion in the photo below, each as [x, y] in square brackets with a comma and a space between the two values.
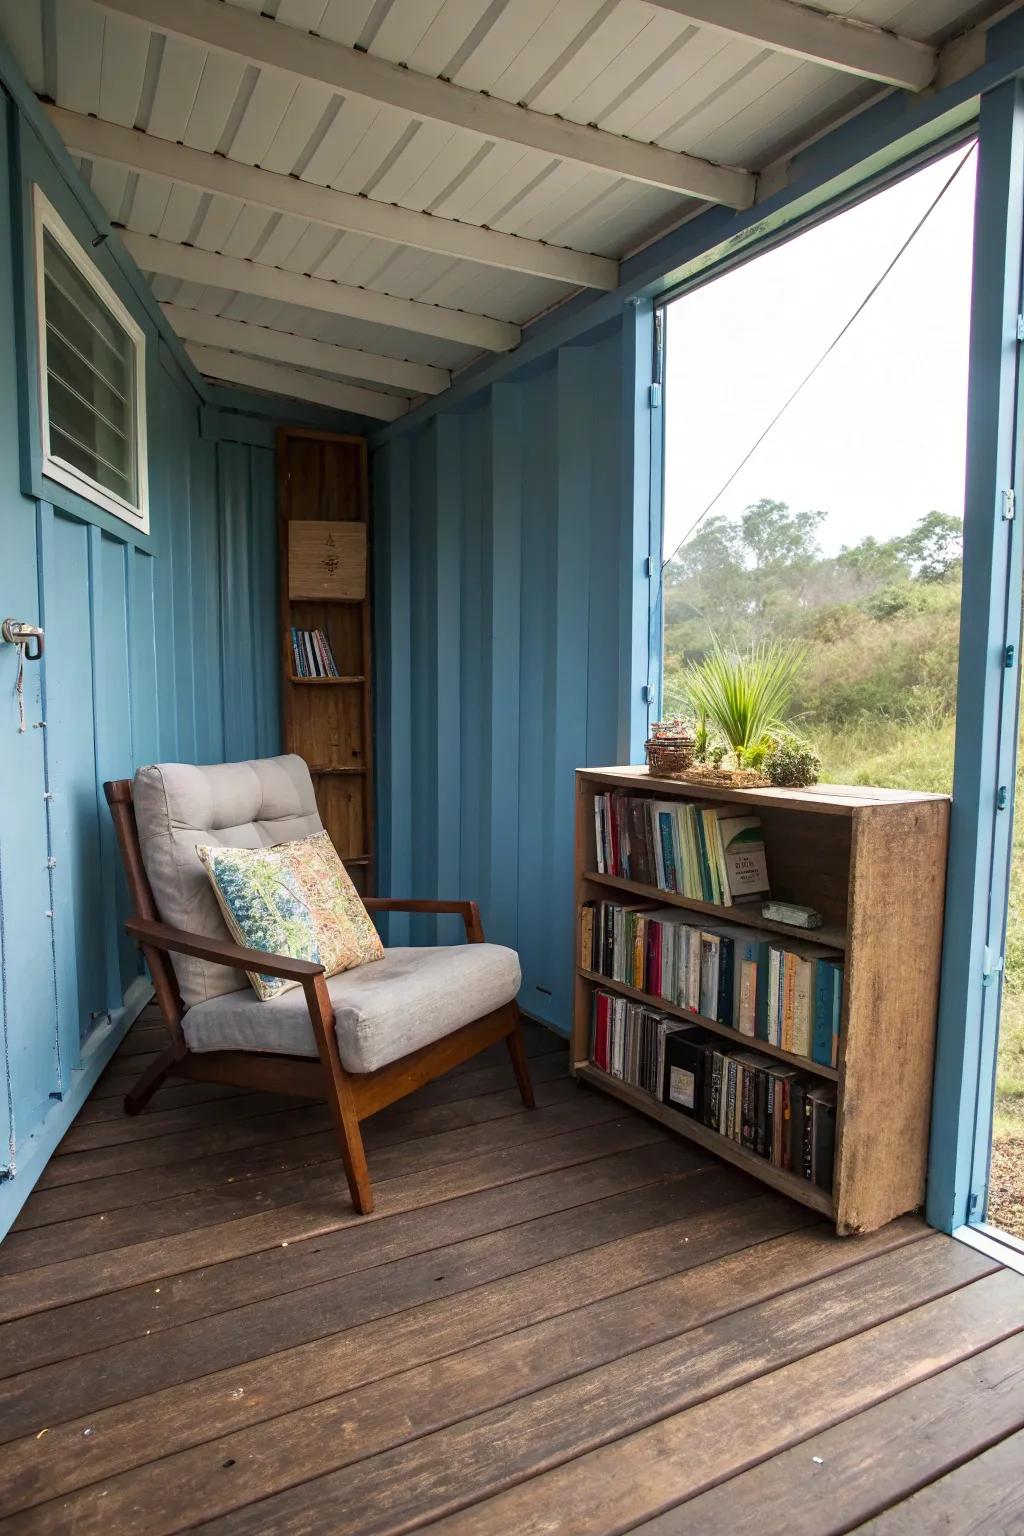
[382, 1011]
[233, 805]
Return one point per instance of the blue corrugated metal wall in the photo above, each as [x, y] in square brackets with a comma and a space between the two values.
[160, 647]
[508, 572]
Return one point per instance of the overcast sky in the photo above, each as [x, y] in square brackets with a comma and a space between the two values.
[877, 437]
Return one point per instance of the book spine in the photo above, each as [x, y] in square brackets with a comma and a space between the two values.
[726, 982]
[788, 999]
[748, 1132]
[761, 997]
[808, 1138]
[821, 1034]
[652, 829]
[707, 892]
[837, 1008]
[746, 1013]
[600, 863]
[667, 852]
[796, 1127]
[803, 1006]
[717, 847]
[332, 665]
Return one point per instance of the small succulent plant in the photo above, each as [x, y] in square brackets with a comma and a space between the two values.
[791, 764]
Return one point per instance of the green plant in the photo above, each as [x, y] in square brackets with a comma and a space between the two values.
[745, 696]
[791, 763]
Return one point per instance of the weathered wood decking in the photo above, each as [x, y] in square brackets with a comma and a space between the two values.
[565, 1321]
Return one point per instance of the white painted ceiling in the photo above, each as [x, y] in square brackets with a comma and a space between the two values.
[630, 68]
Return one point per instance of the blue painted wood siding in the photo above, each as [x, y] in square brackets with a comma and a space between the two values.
[158, 647]
[512, 612]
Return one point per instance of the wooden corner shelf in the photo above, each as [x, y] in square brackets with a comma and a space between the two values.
[873, 862]
[322, 480]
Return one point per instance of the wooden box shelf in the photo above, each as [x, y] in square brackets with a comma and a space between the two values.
[873, 862]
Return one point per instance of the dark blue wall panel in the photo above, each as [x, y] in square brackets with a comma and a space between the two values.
[503, 595]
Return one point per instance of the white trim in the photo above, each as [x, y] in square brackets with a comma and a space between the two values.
[236, 369]
[236, 275]
[305, 352]
[272, 45]
[46, 218]
[838, 42]
[99, 140]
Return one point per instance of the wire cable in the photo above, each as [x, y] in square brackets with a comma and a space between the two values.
[865, 301]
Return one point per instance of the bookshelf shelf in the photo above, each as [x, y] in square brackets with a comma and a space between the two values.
[830, 937]
[323, 682]
[688, 1016]
[730, 1151]
[873, 862]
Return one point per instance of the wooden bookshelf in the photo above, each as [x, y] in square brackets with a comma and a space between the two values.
[322, 479]
[873, 862]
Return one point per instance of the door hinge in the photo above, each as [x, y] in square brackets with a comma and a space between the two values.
[1009, 657]
[991, 966]
[1009, 504]
[1002, 798]
[654, 395]
[647, 693]
[648, 567]
[1020, 327]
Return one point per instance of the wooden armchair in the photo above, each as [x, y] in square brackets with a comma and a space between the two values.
[297, 1043]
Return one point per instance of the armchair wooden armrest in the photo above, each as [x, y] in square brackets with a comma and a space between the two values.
[467, 910]
[220, 951]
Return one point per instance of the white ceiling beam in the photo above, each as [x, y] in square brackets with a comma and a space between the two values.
[255, 374]
[272, 45]
[305, 352]
[192, 265]
[98, 140]
[839, 42]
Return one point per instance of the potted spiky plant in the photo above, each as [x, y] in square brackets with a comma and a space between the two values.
[744, 696]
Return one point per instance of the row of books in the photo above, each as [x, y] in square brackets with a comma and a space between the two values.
[783, 991]
[765, 1106]
[311, 654]
[709, 853]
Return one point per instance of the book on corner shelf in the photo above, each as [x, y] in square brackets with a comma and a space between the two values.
[802, 1055]
[311, 654]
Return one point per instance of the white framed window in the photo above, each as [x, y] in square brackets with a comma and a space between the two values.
[92, 376]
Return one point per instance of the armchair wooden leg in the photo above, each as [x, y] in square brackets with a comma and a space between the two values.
[139, 1095]
[340, 1099]
[520, 1061]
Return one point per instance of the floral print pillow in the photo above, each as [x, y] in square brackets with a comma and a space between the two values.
[294, 899]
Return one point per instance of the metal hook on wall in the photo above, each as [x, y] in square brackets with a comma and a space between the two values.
[31, 642]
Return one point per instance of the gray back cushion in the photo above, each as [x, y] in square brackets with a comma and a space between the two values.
[234, 805]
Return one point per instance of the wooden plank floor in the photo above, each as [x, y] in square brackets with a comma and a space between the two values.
[567, 1321]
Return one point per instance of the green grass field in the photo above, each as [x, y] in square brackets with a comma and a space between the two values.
[921, 757]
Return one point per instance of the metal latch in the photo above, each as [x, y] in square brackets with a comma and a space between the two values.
[991, 966]
[17, 632]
